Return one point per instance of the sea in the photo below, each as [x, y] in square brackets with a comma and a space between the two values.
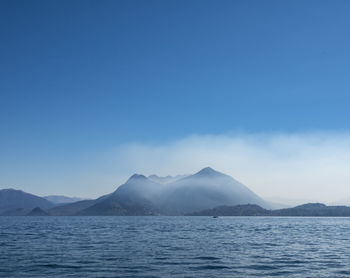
[157, 246]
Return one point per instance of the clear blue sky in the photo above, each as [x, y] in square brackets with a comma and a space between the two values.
[80, 76]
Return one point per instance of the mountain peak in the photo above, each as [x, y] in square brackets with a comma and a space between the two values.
[136, 177]
[312, 206]
[37, 211]
[207, 171]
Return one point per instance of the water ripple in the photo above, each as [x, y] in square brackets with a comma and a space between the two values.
[174, 247]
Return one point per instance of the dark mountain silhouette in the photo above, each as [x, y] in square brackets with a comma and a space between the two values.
[312, 209]
[239, 210]
[37, 212]
[12, 199]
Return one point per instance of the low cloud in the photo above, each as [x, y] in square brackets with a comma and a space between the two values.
[309, 166]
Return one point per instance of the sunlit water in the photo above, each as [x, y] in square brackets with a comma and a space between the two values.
[174, 247]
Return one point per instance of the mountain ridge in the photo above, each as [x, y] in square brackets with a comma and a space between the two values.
[140, 195]
[304, 210]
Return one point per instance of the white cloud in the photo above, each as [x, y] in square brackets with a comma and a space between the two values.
[313, 166]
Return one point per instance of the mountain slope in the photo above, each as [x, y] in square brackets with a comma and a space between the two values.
[207, 189]
[135, 197]
[11, 199]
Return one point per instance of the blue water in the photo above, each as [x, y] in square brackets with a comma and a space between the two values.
[174, 247]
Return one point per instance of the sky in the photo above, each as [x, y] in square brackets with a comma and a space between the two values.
[94, 91]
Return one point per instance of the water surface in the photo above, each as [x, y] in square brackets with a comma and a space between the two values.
[174, 247]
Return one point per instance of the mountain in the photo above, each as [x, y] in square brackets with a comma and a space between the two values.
[59, 199]
[13, 199]
[135, 197]
[204, 190]
[207, 189]
[37, 212]
[311, 209]
[140, 195]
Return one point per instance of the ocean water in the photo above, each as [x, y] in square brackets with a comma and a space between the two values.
[174, 247]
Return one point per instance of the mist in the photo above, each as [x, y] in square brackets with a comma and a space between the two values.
[282, 167]
[286, 168]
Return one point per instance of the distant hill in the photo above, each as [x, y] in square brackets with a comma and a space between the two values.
[37, 212]
[14, 199]
[59, 199]
[239, 210]
[312, 209]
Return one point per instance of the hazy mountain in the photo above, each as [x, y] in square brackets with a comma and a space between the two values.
[165, 180]
[143, 196]
[11, 199]
[116, 206]
[203, 190]
[206, 189]
[207, 192]
[135, 197]
[59, 199]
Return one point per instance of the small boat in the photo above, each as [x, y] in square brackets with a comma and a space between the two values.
[215, 216]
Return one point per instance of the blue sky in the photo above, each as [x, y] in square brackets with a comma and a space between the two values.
[81, 78]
